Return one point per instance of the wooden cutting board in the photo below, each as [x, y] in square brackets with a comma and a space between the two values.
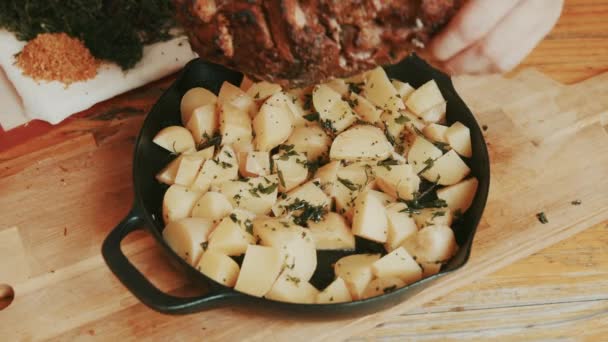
[61, 193]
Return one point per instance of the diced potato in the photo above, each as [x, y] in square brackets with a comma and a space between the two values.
[361, 142]
[430, 268]
[235, 125]
[256, 195]
[435, 114]
[260, 269]
[459, 196]
[246, 83]
[328, 176]
[233, 234]
[459, 138]
[380, 91]
[273, 124]
[291, 289]
[332, 233]
[424, 98]
[332, 109]
[435, 244]
[203, 154]
[436, 132]
[175, 139]
[203, 122]
[193, 99]
[365, 109]
[400, 226]
[398, 263]
[336, 292]
[394, 126]
[422, 153]
[188, 169]
[185, 236]
[369, 219]
[309, 192]
[399, 181]
[338, 85]
[254, 164]
[356, 270]
[215, 171]
[231, 94]
[243, 146]
[219, 267]
[168, 173]
[351, 180]
[178, 202]
[213, 206]
[311, 140]
[380, 286]
[433, 216]
[447, 170]
[403, 89]
[260, 91]
[290, 167]
[294, 242]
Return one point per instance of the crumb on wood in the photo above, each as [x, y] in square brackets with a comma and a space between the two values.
[542, 217]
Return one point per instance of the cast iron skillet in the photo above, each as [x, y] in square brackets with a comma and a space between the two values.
[146, 212]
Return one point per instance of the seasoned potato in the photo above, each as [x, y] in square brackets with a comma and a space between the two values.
[291, 289]
[309, 193]
[311, 140]
[254, 164]
[459, 138]
[436, 132]
[424, 98]
[175, 139]
[350, 181]
[185, 236]
[294, 242]
[203, 122]
[178, 202]
[259, 271]
[273, 124]
[338, 85]
[459, 196]
[361, 142]
[422, 153]
[356, 270]
[399, 181]
[215, 171]
[400, 225]
[403, 89]
[291, 167]
[369, 219]
[332, 233]
[447, 170]
[398, 263]
[168, 173]
[188, 169]
[433, 216]
[435, 114]
[213, 206]
[336, 292]
[260, 91]
[233, 234]
[333, 111]
[193, 99]
[430, 268]
[219, 267]
[328, 176]
[380, 286]
[381, 92]
[257, 195]
[435, 244]
[231, 94]
[235, 125]
[365, 109]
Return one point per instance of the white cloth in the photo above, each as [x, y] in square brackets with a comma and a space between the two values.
[23, 99]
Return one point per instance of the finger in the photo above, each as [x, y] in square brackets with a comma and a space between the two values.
[471, 23]
[511, 40]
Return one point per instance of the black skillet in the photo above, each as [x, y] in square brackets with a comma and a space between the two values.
[146, 212]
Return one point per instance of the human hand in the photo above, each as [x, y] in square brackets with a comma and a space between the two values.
[489, 36]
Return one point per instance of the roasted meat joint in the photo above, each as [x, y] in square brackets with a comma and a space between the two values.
[301, 42]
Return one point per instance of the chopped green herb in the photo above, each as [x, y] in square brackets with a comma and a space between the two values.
[542, 217]
[428, 164]
[389, 289]
[389, 137]
[257, 95]
[281, 179]
[208, 141]
[437, 214]
[387, 163]
[353, 102]
[348, 184]
[248, 226]
[228, 154]
[312, 116]
[234, 218]
[204, 245]
[402, 119]
[328, 126]
[307, 102]
[296, 280]
[355, 87]
[307, 212]
[442, 146]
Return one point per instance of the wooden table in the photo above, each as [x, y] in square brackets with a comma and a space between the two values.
[560, 292]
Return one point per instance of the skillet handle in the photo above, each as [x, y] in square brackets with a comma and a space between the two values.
[141, 287]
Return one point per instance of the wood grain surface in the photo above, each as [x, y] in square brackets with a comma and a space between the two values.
[63, 188]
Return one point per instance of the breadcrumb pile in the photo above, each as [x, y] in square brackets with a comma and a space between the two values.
[57, 57]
